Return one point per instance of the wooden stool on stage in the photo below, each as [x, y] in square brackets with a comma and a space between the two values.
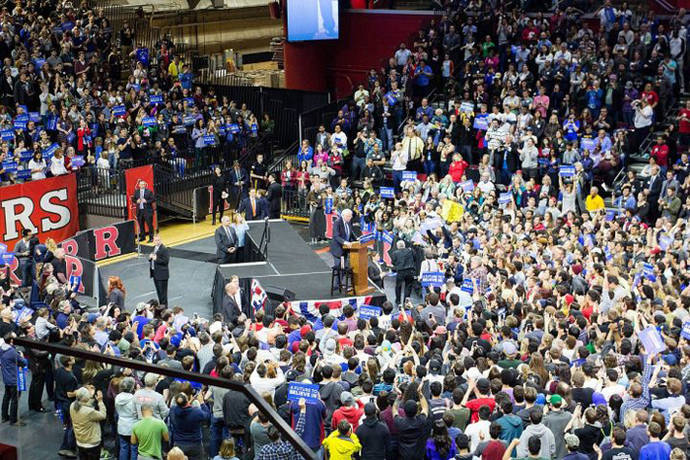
[341, 278]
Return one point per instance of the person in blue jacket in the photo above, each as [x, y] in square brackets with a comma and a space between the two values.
[186, 419]
[10, 361]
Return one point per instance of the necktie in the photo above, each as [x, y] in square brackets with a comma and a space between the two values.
[153, 263]
[253, 208]
[347, 231]
[227, 231]
[141, 196]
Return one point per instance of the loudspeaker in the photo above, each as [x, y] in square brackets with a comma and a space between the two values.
[280, 294]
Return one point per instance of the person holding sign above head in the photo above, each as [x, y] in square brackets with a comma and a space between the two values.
[143, 201]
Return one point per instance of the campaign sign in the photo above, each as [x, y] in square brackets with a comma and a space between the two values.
[387, 192]
[35, 117]
[685, 332]
[189, 101]
[7, 258]
[78, 161]
[3, 248]
[467, 186]
[587, 143]
[308, 391]
[611, 214]
[368, 311]
[156, 99]
[409, 175]
[652, 340]
[22, 373]
[149, 122]
[188, 120]
[328, 205]
[119, 110]
[209, 139]
[665, 242]
[7, 134]
[481, 122]
[23, 174]
[9, 166]
[466, 107]
[23, 315]
[26, 155]
[566, 171]
[386, 237]
[75, 281]
[648, 269]
[367, 237]
[467, 286]
[505, 198]
[50, 150]
[434, 279]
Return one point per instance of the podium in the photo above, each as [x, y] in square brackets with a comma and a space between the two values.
[359, 263]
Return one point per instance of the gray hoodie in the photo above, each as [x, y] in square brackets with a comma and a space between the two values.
[127, 413]
[556, 421]
[548, 443]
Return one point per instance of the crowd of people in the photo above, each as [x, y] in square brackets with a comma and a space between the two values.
[77, 94]
[559, 327]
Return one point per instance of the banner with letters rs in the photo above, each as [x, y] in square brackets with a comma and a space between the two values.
[102, 243]
[48, 207]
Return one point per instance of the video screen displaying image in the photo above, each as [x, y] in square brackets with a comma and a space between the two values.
[312, 20]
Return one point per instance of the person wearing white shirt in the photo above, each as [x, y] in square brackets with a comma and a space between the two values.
[37, 166]
[57, 164]
[399, 160]
[339, 137]
[485, 184]
[266, 378]
[612, 386]
[479, 430]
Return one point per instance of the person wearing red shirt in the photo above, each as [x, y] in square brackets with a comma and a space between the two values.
[351, 411]
[457, 168]
[481, 390]
[651, 95]
[660, 153]
[684, 124]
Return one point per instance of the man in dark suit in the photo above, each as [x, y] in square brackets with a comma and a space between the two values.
[653, 190]
[226, 242]
[238, 179]
[273, 195]
[343, 234]
[253, 207]
[158, 269]
[143, 201]
[232, 307]
[404, 267]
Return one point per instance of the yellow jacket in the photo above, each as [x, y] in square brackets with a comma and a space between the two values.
[413, 146]
[341, 447]
[595, 203]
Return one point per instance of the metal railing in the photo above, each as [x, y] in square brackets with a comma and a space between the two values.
[102, 191]
[143, 366]
[294, 203]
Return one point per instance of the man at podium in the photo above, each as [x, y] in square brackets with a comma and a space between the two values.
[343, 234]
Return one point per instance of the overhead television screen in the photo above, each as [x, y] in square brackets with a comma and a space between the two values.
[312, 20]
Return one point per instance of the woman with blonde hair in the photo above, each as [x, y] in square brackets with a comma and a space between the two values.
[116, 292]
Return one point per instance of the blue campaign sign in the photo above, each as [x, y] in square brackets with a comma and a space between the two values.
[648, 269]
[386, 237]
[481, 122]
[587, 143]
[156, 99]
[78, 161]
[387, 192]
[35, 117]
[23, 174]
[566, 171]
[234, 128]
[26, 155]
[23, 315]
[409, 175]
[467, 186]
[368, 311]
[149, 122]
[7, 134]
[209, 139]
[8, 258]
[22, 117]
[9, 166]
[611, 214]
[3, 248]
[75, 281]
[652, 340]
[188, 120]
[467, 286]
[665, 242]
[50, 150]
[685, 332]
[308, 391]
[367, 237]
[435, 279]
[119, 110]
[505, 198]
[328, 205]
[189, 101]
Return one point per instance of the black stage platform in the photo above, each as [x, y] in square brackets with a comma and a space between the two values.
[290, 264]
